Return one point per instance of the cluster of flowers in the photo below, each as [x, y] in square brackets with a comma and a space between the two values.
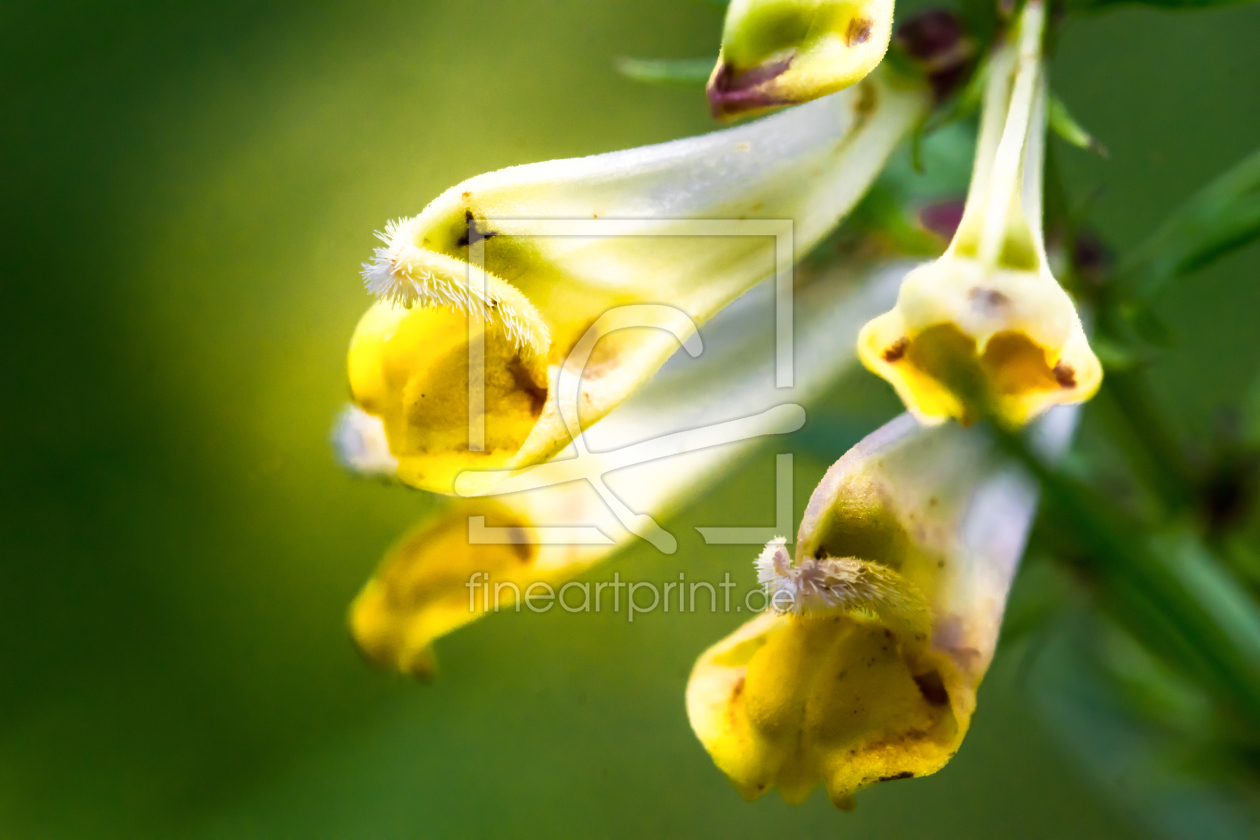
[491, 353]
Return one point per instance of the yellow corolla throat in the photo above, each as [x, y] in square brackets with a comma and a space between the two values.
[789, 699]
[986, 329]
[964, 341]
[410, 367]
[782, 52]
[838, 683]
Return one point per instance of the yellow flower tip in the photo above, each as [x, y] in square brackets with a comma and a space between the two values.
[432, 582]
[783, 52]
[376, 634]
[409, 368]
[838, 683]
[789, 700]
[962, 342]
[406, 275]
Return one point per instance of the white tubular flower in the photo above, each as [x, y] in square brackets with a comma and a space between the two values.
[986, 329]
[549, 274]
[866, 667]
[694, 423]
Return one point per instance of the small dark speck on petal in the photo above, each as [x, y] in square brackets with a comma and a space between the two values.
[896, 350]
[989, 297]
[859, 32]
[1064, 375]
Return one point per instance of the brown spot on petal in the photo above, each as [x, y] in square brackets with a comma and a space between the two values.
[896, 350]
[905, 774]
[991, 298]
[932, 687]
[859, 32]
[1064, 375]
[474, 230]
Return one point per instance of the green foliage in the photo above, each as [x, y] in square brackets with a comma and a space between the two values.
[1065, 125]
[1188, 5]
[675, 71]
[1128, 717]
[1219, 219]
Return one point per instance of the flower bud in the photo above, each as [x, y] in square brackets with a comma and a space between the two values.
[782, 52]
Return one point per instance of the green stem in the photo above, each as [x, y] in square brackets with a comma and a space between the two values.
[1147, 441]
[1170, 603]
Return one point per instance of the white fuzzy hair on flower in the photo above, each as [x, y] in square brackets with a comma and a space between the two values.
[407, 275]
[832, 584]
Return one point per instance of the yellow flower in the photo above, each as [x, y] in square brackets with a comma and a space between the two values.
[469, 256]
[421, 590]
[781, 52]
[986, 329]
[866, 668]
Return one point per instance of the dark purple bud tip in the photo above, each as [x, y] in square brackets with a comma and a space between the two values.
[732, 92]
[942, 218]
[1092, 257]
[930, 34]
[937, 41]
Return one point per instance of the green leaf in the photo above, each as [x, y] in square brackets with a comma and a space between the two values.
[1147, 738]
[1103, 5]
[667, 71]
[1219, 219]
[1064, 125]
[963, 104]
[1169, 592]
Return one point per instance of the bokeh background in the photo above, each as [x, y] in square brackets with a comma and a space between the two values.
[188, 190]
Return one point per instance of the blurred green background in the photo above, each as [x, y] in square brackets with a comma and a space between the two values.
[188, 190]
